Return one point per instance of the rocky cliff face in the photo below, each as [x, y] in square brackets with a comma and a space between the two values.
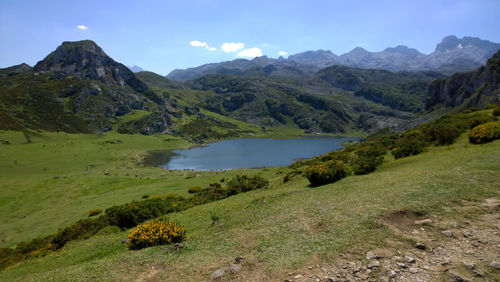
[472, 89]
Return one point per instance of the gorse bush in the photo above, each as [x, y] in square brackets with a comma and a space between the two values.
[327, 172]
[155, 233]
[485, 133]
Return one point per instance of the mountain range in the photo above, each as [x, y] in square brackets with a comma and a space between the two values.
[450, 55]
[78, 88]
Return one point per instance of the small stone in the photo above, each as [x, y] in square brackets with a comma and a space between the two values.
[290, 273]
[447, 233]
[468, 234]
[373, 264]
[287, 280]
[401, 265]
[218, 273]
[457, 277]
[423, 221]
[483, 241]
[478, 273]
[297, 276]
[409, 259]
[420, 246]
[310, 267]
[392, 273]
[495, 264]
[124, 241]
[235, 268]
[454, 224]
[373, 255]
[356, 269]
[413, 270]
[469, 264]
[397, 258]
[445, 262]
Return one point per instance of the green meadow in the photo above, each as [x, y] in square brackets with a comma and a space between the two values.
[57, 178]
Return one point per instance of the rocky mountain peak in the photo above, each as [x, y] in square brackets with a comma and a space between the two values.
[357, 51]
[403, 50]
[451, 42]
[86, 60]
[312, 56]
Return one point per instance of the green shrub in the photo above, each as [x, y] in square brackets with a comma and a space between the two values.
[243, 183]
[485, 133]
[131, 214]
[145, 196]
[366, 163]
[112, 229]
[94, 212]
[412, 142]
[194, 189]
[327, 172]
[170, 196]
[496, 111]
[155, 233]
[83, 228]
[480, 120]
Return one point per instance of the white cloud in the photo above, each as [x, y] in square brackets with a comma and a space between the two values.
[282, 53]
[250, 53]
[82, 27]
[197, 43]
[203, 44]
[232, 47]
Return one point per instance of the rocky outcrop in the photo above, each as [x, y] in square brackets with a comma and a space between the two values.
[17, 69]
[85, 60]
[472, 89]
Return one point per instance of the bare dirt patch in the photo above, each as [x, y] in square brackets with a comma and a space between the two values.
[436, 250]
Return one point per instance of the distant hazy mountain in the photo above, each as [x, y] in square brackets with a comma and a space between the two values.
[257, 67]
[450, 56]
[135, 68]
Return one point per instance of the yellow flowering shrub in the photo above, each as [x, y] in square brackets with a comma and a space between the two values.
[485, 133]
[154, 233]
[327, 172]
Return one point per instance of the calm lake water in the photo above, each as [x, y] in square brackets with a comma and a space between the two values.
[245, 153]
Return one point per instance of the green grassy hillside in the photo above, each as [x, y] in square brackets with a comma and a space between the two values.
[58, 178]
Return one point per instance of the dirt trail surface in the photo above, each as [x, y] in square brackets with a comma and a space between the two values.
[425, 249]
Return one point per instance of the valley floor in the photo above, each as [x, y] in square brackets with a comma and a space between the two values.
[287, 232]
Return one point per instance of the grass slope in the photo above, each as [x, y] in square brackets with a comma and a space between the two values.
[277, 229]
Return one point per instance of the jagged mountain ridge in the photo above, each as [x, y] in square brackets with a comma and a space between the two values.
[450, 56]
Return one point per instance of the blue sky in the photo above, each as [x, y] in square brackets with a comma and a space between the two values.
[164, 35]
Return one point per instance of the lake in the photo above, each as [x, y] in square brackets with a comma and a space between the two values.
[245, 153]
